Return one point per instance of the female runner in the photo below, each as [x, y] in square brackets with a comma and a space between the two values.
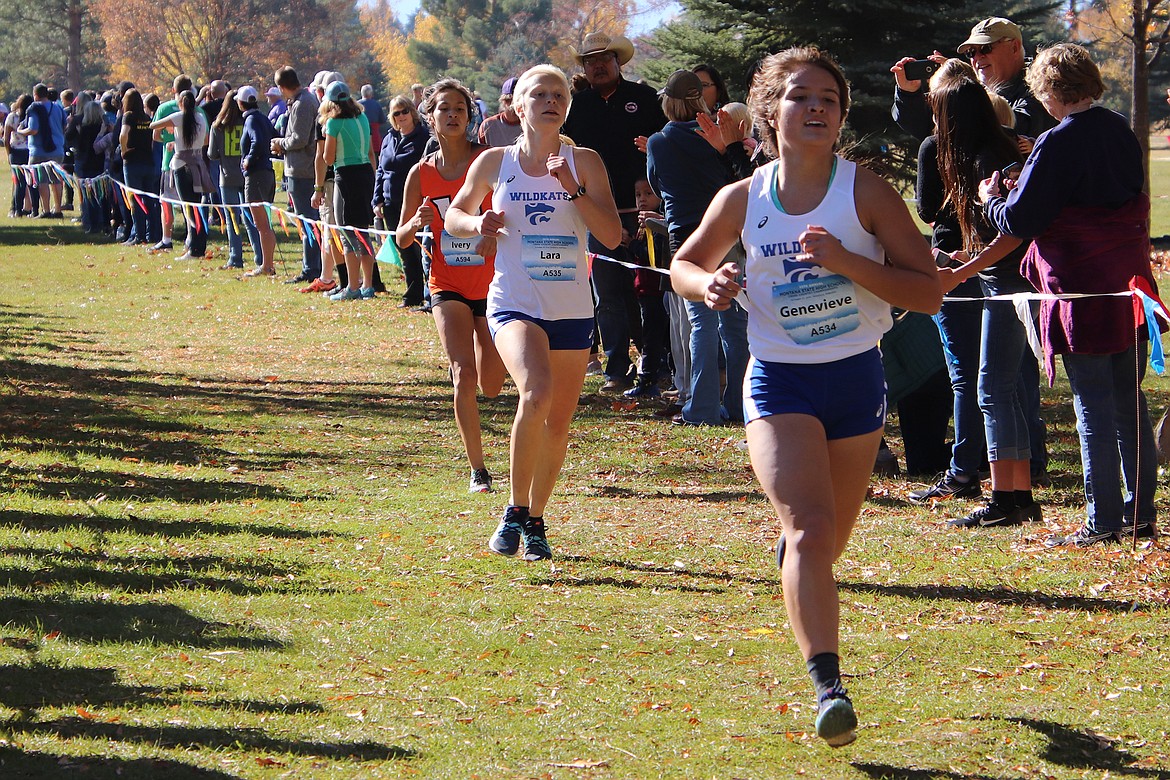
[545, 196]
[830, 246]
[461, 268]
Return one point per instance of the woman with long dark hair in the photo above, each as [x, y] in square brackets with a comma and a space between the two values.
[461, 269]
[24, 198]
[192, 178]
[971, 145]
[88, 163]
[224, 145]
[714, 87]
[140, 170]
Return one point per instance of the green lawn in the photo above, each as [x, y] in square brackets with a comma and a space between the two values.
[235, 542]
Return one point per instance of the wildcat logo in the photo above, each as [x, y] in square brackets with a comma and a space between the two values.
[763, 222]
[798, 271]
[511, 179]
[538, 213]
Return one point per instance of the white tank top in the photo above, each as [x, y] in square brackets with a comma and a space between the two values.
[542, 268]
[798, 312]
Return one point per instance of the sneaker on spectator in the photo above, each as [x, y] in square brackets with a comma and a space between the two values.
[1146, 529]
[616, 386]
[346, 294]
[643, 390]
[836, 721]
[594, 368]
[1082, 537]
[367, 292]
[990, 515]
[481, 481]
[299, 279]
[162, 246]
[947, 486]
[1031, 514]
[506, 539]
[187, 256]
[321, 286]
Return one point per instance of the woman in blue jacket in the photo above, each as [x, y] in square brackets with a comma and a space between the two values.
[401, 148]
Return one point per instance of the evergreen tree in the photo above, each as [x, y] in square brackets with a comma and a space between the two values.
[55, 41]
[865, 36]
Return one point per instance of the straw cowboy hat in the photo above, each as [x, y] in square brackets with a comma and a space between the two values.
[597, 42]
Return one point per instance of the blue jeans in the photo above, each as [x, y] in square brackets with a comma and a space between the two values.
[960, 324]
[1117, 438]
[145, 176]
[236, 219]
[709, 329]
[300, 192]
[1003, 343]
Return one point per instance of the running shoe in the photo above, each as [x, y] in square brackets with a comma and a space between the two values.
[346, 294]
[535, 543]
[1084, 536]
[506, 539]
[836, 721]
[946, 487]
[481, 481]
[367, 293]
[1031, 514]
[162, 246]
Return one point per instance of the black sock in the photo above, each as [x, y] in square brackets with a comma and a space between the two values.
[825, 671]
[1004, 499]
[1024, 498]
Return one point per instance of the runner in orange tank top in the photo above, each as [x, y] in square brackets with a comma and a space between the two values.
[461, 268]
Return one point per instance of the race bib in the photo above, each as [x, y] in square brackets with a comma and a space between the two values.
[550, 258]
[816, 309]
[459, 251]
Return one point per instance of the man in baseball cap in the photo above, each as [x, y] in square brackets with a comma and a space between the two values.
[502, 129]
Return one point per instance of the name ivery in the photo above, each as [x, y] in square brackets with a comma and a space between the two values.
[815, 308]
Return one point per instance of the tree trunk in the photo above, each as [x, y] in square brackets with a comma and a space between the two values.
[76, 13]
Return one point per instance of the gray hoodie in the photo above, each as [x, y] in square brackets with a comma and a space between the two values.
[300, 135]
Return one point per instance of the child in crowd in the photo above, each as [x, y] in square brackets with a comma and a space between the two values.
[650, 249]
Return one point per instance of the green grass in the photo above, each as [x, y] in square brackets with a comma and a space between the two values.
[235, 541]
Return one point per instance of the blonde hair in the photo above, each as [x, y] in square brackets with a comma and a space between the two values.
[1066, 73]
[529, 78]
[683, 109]
[402, 101]
[739, 112]
[1003, 109]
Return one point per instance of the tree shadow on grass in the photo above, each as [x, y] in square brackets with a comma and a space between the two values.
[1083, 750]
[96, 620]
[144, 573]
[889, 772]
[997, 595]
[60, 480]
[16, 764]
[100, 524]
[209, 738]
[33, 687]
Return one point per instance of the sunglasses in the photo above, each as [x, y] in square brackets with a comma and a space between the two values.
[400, 112]
[984, 50]
[604, 56]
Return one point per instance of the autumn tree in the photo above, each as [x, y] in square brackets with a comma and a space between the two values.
[1129, 39]
[389, 47]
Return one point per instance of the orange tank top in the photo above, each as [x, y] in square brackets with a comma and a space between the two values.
[455, 266]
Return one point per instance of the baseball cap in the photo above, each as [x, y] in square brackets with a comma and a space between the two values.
[508, 88]
[990, 31]
[682, 85]
[247, 94]
[272, 92]
[337, 91]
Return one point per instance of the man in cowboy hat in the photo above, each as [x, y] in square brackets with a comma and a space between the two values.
[607, 118]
